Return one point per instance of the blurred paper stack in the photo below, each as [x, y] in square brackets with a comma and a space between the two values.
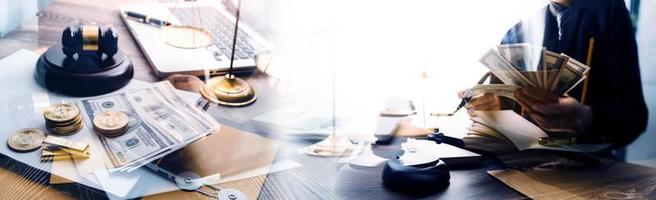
[485, 137]
[525, 65]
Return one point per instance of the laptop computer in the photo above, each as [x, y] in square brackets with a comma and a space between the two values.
[214, 59]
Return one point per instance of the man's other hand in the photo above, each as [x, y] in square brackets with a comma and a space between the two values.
[555, 114]
[485, 102]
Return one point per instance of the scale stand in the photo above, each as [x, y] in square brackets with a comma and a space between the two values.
[366, 157]
[332, 146]
[335, 145]
[229, 90]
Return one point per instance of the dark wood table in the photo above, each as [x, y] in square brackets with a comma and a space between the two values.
[319, 178]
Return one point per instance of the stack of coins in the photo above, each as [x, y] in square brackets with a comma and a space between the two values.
[26, 140]
[111, 123]
[63, 119]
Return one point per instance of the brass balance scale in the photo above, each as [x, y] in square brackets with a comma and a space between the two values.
[227, 90]
[230, 90]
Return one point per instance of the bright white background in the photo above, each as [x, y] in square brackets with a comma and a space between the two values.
[382, 48]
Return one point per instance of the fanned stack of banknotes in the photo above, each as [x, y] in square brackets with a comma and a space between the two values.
[520, 66]
[525, 65]
[160, 122]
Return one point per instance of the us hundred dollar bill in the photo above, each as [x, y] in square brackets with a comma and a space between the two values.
[525, 58]
[569, 76]
[553, 63]
[503, 69]
[160, 122]
[496, 89]
[174, 121]
[142, 141]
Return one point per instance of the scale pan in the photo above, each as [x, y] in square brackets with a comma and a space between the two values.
[186, 37]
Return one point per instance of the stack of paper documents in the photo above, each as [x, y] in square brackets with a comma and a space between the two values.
[506, 131]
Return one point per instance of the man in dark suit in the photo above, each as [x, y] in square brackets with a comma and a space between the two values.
[611, 109]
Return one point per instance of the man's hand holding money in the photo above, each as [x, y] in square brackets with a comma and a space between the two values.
[556, 114]
[481, 102]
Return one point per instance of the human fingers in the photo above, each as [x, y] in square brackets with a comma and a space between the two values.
[541, 120]
[530, 104]
[564, 106]
[462, 93]
[540, 94]
[485, 102]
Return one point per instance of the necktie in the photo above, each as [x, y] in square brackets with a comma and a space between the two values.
[562, 17]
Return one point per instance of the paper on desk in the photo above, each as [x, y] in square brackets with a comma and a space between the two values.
[115, 184]
[21, 106]
[275, 167]
[151, 183]
[118, 183]
[64, 171]
[524, 134]
[615, 180]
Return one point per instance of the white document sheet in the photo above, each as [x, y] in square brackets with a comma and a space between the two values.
[524, 134]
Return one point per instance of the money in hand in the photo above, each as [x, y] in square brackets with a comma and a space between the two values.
[525, 65]
[501, 68]
[497, 89]
[525, 58]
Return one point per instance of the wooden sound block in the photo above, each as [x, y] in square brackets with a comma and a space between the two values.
[83, 75]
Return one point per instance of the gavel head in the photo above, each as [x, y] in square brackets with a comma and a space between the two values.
[79, 39]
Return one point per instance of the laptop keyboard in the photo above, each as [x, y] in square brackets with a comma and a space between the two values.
[222, 29]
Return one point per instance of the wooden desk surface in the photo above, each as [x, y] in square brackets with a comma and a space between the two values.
[319, 178]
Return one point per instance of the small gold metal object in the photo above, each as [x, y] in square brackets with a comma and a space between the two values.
[228, 90]
[557, 141]
[66, 144]
[333, 146]
[90, 38]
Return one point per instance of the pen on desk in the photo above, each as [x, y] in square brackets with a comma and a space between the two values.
[146, 19]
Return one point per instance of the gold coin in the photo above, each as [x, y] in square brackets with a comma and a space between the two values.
[51, 124]
[26, 140]
[66, 130]
[110, 121]
[61, 112]
[112, 134]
